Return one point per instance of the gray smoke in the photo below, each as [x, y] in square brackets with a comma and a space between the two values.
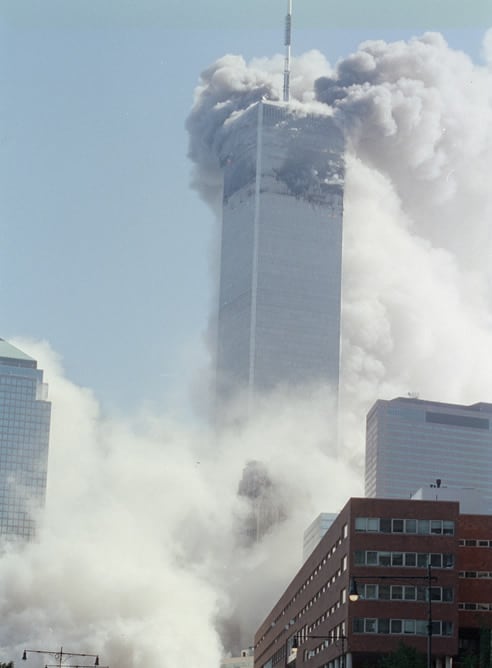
[229, 87]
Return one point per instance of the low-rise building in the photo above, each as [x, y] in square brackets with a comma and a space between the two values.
[398, 553]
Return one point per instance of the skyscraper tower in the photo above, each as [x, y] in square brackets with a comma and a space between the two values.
[281, 248]
[24, 435]
[410, 443]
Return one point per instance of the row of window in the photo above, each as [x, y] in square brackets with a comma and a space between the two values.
[381, 592]
[399, 526]
[402, 626]
[408, 559]
[475, 542]
[485, 575]
[317, 570]
[331, 581]
[475, 606]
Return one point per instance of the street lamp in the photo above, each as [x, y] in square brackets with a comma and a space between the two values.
[354, 596]
[60, 656]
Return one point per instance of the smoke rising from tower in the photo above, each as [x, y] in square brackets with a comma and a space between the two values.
[138, 558]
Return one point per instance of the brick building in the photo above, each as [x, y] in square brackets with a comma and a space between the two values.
[386, 546]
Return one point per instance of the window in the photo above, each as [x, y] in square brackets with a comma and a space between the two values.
[385, 525]
[370, 625]
[410, 593]
[410, 559]
[396, 593]
[435, 593]
[409, 626]
[372, 524]
[371, 558]
[397, 526]
[358, 625]
[397, 558]
[436, 527]
[360, 523]
[384, 592]
[422, 560]
[385, 558]
[384, 626]
[447, 594]
[410, 526]
[423, 526]
[447, 628]
[448, 528]
[360, 557]
[447, 560]
[436, 560]
[371, 591]
[395, 626]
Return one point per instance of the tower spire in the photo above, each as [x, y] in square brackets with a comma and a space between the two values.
[288, 26]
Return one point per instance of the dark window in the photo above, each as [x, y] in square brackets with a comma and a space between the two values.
[384, 592]
[397, 526]
[384, 626]
[385, 525]
[457, 420]
[396, 626]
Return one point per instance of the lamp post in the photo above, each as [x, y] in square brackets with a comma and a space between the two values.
[60, 656]
[342, 638]
[354, 596]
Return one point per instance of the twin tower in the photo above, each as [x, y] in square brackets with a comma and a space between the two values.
[281, 252]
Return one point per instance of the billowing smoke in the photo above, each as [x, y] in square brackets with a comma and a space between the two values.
[139, 557]
[226, 89]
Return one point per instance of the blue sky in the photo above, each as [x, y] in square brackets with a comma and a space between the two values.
[105, 251]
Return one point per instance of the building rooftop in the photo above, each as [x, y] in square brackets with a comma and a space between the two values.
[9, 354]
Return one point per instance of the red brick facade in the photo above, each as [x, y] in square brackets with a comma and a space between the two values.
[385, 545]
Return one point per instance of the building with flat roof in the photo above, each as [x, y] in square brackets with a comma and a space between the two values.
[411, 443]
[400, 554]
[24, 437]
[315, 532]
[281, 251]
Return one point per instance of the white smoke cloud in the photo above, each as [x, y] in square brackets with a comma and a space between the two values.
[138, 558]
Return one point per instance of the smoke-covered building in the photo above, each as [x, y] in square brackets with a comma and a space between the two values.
[280, 270]
[24, 435]
[410, 443]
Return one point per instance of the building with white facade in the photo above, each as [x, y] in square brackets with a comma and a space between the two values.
[281, 247]
[24, 436]
[412, 444]
[315, 532]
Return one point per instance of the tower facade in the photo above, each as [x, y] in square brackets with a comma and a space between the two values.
[411, 443]
[280, 269]
[24, 436]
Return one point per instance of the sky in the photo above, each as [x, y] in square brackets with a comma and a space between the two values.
[108, 274]
[106, 252]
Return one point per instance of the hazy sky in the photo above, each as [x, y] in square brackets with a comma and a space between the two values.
[105, 251]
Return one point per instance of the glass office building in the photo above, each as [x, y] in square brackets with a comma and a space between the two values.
[24, 436]
[281, 248]
[413, 444]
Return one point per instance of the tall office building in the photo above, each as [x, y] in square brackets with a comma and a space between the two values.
[411, 444]
[280, 271]
[24, 434]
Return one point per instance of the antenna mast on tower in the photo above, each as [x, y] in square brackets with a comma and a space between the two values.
[288, 26]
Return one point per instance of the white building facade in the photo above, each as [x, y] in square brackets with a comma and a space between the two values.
[281, 248]
[413, 444]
